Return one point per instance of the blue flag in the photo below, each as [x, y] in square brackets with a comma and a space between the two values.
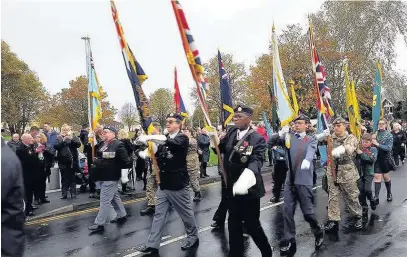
[322, 149]
[225, 94]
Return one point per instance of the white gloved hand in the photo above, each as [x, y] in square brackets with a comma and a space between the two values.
[349, 149]
[144, 154]
[402, 145]
[142, 140]
[165, 132]
[245, 181]
[305, 165]
[90, 135]
[337, 152]
[284, 131]
[323, 135]
[159, 139]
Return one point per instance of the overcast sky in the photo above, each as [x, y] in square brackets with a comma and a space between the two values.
[47, 36]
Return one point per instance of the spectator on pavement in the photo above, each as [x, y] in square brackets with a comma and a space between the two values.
[34, 130]
[15, 142]
[399, 141]
[26, 154]
[67, 146]
[44, 157]
[123, 136]
[203, 144]
[12, 204]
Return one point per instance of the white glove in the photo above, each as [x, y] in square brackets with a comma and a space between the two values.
[402, 145]
[165, 132]
[305, 165]
[90, 135]
[159, 139]
[245, 181]
[284, 131]
[144, 154]
[337, 152]
[323, 135]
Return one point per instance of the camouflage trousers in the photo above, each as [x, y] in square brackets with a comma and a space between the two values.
[350, 192]
[151, 189]
[194, 179]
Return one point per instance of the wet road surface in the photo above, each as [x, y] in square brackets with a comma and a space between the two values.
[384, 235]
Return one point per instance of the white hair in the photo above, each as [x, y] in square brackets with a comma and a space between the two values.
[396, 126]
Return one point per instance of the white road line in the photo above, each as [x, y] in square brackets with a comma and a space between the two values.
[176, 239]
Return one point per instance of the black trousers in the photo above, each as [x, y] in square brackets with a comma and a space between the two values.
[29, 188]
[68, 181]
[398, 155]
[140, 168]
[280, 173]
[40, 186]
[203, 168]
[314, 172]
[247, 210]
[220, 214]
[92, 185]
[365, 189]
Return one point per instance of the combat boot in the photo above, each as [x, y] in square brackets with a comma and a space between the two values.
[373, 204]
[332, 226]
[197, 197]
[150, 209]
[359, 223]
[288, 248]
[389, 197]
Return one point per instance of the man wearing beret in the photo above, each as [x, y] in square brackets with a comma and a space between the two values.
[110, 158]
[171, 154]
[300, 151]
[344, 147]
[244, 150]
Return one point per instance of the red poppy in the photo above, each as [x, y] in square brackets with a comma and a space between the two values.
[245, 144]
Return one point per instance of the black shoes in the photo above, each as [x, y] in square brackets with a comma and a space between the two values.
[217, 225]
[147, 250]
[45, 200]
[389, 197]
[150, 209]
[197, 197]
[373, 204]
[64, 197]
[189, 245]
[29, 213]
[119, 220]
[275, 199]
[288, 248]
[365, 214]
[37, 202]
[376, 201]
[331, 226]
[319, 239]
[96, 228]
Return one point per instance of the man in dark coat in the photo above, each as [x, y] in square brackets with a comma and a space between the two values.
[26, 154]
[173, 189]
[203, 144]
[12, 204]
[243, 156]
[15, 142]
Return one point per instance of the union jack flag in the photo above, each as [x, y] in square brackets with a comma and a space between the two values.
[323, 91]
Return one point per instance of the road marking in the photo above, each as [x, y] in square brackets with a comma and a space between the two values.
[175, 239]
[95, 209]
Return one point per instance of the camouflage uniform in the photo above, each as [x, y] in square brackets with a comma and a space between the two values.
[193, 164]
[151, 188]
[346, 177]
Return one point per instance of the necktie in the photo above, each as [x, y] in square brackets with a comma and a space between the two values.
[298, 136]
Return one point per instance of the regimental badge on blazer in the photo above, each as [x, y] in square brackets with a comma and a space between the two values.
[108, 155]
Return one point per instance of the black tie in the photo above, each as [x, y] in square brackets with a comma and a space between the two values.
[298, 136]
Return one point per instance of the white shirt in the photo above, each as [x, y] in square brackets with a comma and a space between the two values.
[241, 133]
[172, 135]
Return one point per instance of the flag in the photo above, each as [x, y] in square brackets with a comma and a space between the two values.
[179, 103]
[377, 112]
[322, 148]
[285, 110]
[323, 92]
[193, 58]
[352, 105]
[135, 74]
[267, 125]
[95, 93]
[225, 93]
[294, 98]
[274, 115]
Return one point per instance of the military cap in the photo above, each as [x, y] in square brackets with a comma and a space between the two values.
[339, 120]
[111, 128]
[243, 109]
[175, 115]
[302, 117]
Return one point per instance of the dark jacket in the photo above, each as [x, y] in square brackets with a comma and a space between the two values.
[129, 146]
[51, 139]
[29, 162]
[83, 136]
[203, 143]
[67, 155]
[398, 139]
[14, 145]
[279, 153]
[251, 156]
[172, 162]
[110, 159]
[12, 205]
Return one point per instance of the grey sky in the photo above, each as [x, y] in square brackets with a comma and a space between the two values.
[47, 35]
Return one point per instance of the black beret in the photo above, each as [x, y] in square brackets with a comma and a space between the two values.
[111, 128]
[243, 109]
[175, 115]
[302, 117]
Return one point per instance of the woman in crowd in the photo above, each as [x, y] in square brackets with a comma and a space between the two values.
[67, 146]
[383, 141]
[203, 143]
[123, 136]
[399, 141]
[44, 158]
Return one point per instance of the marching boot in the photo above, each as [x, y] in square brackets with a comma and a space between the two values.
[332, 226]
[365, 214]
[288, 248]
[197, 196]
[150, 209]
